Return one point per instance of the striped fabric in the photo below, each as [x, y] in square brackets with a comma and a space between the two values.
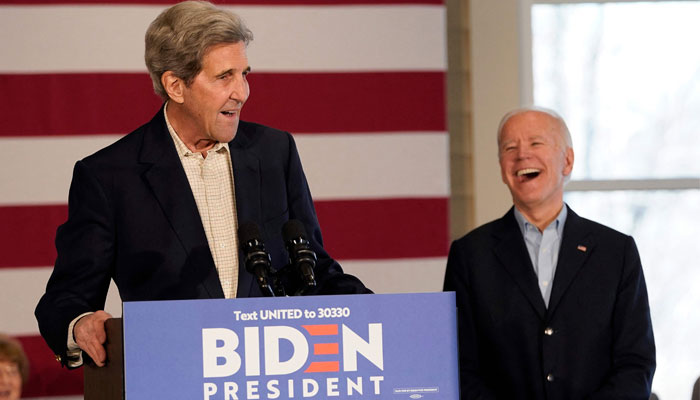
[360, 84]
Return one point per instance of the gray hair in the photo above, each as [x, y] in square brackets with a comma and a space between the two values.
[180, 36]
[563, 129]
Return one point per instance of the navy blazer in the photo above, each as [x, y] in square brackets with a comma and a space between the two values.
[595, 339]
[133, 218]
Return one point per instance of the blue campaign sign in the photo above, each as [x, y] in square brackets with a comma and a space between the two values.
[392, 346]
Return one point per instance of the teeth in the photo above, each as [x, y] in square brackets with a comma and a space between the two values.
[527, 171]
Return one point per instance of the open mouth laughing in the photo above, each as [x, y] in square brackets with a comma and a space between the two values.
[527, 174]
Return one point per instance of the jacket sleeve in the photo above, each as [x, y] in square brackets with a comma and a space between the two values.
[472, 386]
[82, 272]
[634, 351]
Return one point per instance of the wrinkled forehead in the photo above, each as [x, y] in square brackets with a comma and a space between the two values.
[531, 125]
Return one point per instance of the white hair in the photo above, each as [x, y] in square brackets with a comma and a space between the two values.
[563, 131]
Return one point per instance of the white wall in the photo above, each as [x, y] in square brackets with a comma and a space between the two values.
[496, 89]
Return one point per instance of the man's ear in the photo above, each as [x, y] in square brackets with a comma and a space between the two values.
[568, 161]
[174, 86]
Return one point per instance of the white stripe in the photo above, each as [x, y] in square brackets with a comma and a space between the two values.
[38, 170]
[98, 38]
[21, 288]
[344, 166]
[376, 165]
[20, 291]
[416, 275]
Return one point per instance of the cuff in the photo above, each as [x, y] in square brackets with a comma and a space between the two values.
[74, 354]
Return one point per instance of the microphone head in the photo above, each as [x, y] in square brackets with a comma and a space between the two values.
[248, 231]
[257, 260]
[293, 229]
[301, 256]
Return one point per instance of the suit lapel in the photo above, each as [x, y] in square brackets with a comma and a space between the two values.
[247, 183]
[168, 181]
[575, 247]
[513, 255]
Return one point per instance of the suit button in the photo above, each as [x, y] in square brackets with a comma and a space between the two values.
[550, 378]
[57, 357]
[549, 331]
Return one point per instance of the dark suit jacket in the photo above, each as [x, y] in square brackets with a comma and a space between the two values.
[600, 345]
[132, 217]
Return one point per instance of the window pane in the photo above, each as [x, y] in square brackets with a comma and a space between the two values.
[666, 227]
[626, 77]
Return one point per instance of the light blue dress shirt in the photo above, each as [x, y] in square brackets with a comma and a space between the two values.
[543, 248]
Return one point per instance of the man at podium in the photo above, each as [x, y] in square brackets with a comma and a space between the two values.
[158, 211]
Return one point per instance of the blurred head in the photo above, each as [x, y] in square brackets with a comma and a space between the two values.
[180, 36]
[536, 158]
[14, 368]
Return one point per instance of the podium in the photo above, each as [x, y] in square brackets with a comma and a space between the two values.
[107, 383]
[399, 346]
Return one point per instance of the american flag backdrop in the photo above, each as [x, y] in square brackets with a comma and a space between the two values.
[360, 84]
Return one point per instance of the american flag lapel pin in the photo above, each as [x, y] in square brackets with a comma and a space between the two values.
[581, 248]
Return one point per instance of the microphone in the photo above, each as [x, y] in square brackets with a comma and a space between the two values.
[300, 254]
[257, 259]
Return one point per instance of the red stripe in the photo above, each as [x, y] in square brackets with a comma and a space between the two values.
[46, 377]
[75, 104]
[27, 234]
[324, 366]
[326, 348]
[352, 230]
[384, 229]
[321, 330]
[83, 104]
[233, 2]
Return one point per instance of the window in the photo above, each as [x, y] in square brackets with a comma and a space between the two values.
[626, 78]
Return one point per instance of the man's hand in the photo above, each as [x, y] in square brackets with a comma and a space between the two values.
[89, 333]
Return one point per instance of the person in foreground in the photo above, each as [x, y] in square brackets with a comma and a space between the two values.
[158, 210]
[550, 305]
[14, 368]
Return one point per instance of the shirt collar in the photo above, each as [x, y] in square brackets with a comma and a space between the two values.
[180, 146]
[525, 225]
